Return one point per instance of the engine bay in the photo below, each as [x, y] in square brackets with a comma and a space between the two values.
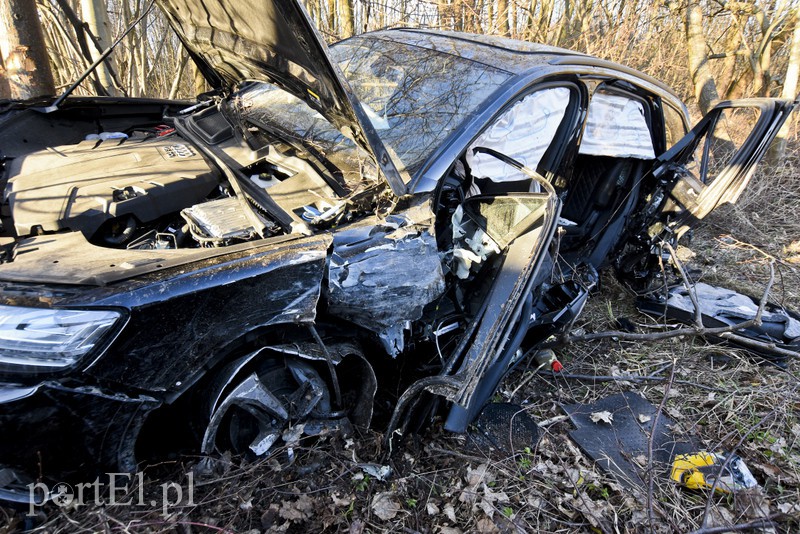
[179, 182]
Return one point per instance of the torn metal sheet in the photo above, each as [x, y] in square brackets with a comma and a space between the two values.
[382, 280]
[615, 433]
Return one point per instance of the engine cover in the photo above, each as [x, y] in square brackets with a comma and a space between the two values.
[78, 187]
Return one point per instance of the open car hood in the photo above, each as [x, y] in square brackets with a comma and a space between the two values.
[275, 41]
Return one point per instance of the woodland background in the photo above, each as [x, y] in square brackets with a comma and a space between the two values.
[704, 49]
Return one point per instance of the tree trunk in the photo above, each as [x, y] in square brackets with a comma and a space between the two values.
[176, 82]
[142, 57]
[512, 15]
[23, 51]
[5, 88]
[331, 16]
[443, 9]
[199, 81]
[502, 18]
[95, 15]
[348, 26]
[705, 90]
[790, 82]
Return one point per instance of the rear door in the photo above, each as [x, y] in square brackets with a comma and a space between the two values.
[714, 162]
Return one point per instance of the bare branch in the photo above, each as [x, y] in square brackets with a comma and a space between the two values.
[766, 522]
[650, 472]
[725, 332]
[698, 313]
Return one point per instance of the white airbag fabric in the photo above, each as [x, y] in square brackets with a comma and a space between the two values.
[616, 127]
[524, 133]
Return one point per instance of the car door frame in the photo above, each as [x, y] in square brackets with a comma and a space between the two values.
[688, 198]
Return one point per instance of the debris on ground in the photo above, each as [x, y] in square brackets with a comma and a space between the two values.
[618, 431]
[726, 473]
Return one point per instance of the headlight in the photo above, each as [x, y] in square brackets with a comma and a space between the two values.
[49, 338]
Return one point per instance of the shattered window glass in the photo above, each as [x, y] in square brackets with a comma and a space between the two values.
[414, 97]
[484, 226]
[504, 218]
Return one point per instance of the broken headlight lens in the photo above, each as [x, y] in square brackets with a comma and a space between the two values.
[50, 338]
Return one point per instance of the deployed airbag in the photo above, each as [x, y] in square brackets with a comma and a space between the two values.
[616, 126]
[523, 133]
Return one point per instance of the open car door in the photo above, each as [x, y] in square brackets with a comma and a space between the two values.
[715, 161]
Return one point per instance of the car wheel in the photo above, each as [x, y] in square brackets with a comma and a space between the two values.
[279, 399]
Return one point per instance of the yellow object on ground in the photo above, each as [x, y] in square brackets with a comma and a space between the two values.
[699, 471]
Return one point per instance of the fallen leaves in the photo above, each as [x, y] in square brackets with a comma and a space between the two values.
[385, 505]
[604, 416]
[298, 510]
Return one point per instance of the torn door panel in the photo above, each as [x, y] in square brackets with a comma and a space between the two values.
[381, 277]
[522, 224]
[721, 307]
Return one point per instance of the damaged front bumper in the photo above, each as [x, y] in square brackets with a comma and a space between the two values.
[52, 427]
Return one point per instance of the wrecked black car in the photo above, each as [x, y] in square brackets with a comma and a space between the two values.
[371, 233]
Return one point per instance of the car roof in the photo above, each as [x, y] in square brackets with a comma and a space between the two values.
[507, 54]
[511, 55]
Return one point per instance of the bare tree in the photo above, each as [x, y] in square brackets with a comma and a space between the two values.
[23, 51]
[502, 18]
[5, 88]
[95, 14]
[705, 89]
[789, 90]
[348, 27]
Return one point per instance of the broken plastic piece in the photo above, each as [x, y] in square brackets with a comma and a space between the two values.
[632, 432]
[545, 358]
[699, 471]
[504, 427]
[723, 307]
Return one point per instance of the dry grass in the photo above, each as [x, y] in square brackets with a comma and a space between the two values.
[724, 398]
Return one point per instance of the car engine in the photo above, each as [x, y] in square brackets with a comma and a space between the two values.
[108, 187]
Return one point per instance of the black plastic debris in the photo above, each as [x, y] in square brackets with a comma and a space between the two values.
[615, 433]
[723, 307]
[505, 428]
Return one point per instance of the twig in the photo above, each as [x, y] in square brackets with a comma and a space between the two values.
[724, 465]
[626, 378]
[439, 450]
[698, 313]
[763, 302]
[737, 242]
[650, 475]
[527, 378]
[764, 522]
[552, 421]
